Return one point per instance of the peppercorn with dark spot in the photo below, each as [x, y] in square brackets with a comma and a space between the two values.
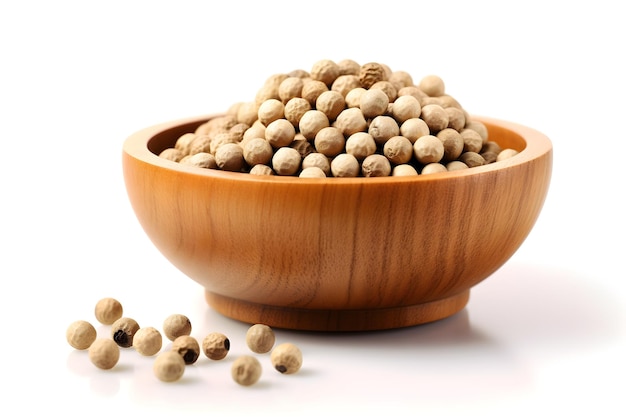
[187, 347]
[123, 330]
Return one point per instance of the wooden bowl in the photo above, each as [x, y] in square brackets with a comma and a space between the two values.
[337, 254]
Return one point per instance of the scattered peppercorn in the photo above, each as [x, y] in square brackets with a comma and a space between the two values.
[187, 347]
[123, 330]
[215, 346]
[246, 370]
[169, 366]
[147, 341]
[104, 353]
[287, 358]
[260, 338]
[176, 325]
[80, 334]
[108, 310]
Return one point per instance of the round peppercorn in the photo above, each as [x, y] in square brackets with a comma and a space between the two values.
[80, 334]
[176, 325]
[187, 347]
[104, 353]
[123, 330]
[169, 366]
[147, 341]
[246, 370]
[287, 358]
[260, 338]
[215, 346]
[108, 310]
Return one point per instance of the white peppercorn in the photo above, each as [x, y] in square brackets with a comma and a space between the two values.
[331, 103]
[405, 108]
[398, 150]
[413, 129]
[187, 347]
[246, 370]
[353, 98]
[104, 353]
[326, 71]
[456, 165]
[412, 90]
[148, 341]
[435, 117]
[376, 165]
[280, 133]
[344, 83]
[318, 160]
[172, 154]
[286, 161]
[257, 151]
[387, 88]
[312, 122]
[370, 73]
[312, 89]
[428, 149]
[287, 358]
[270, 110]
[176, 325]
[229, 157]
[345, 165]
[382, 128]
[329, 141]
[260, 338]
[401, 79]
[489, 156]
[403, 170]
[295, 108]
[472, 141]
[312, 172]
[108, 310]
[506, 154]
[373, 103]
[302, 145]
[80, 334]
[261, 169]
[472, 159]
[479, 127]
[123, 331]
[360, 145]
[350, 121]
[257, 130]
[169, 366]
[248, 112]
[452, 143]
[433, 168]
[289, 88]
[456, 118]
[432, 85]
[200, 160]
[215, 346]
[348, 66]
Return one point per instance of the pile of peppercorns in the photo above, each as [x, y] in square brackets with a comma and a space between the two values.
[169, 365]
[342, 119]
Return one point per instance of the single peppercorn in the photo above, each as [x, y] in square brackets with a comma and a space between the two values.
[169, 366]
[260, 338]
[216, 346]
[176, 325]
[80, 334]
[123, 330]
[187, 347]
[104, 353]
[287, 358]
[108, 310]
[147, 341]
[246, 370]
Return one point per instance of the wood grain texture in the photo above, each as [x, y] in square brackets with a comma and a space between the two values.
[336, 254]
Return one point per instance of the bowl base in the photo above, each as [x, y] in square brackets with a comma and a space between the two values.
[337, 320]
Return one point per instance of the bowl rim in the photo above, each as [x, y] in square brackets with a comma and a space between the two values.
[536, 144]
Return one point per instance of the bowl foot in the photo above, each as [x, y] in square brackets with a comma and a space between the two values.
[337, 320]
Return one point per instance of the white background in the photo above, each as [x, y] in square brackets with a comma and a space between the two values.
[544, 334]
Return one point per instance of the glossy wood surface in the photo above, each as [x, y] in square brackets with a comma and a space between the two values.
[337, 254]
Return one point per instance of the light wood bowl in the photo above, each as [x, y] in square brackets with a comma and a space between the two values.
[337, 254]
